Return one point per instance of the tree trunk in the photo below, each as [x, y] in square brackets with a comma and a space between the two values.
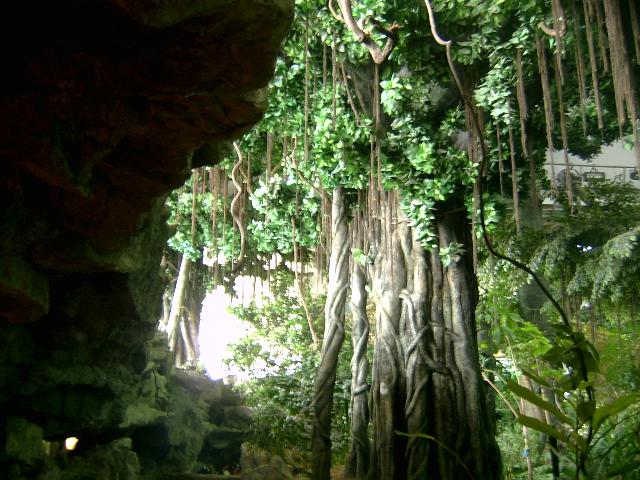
[187, 323]
[358, 460]
[418, 363]
[460, 423]
[178, 299]
[332, 341]
[387, 460]
[187, 347]
[190, 318]
[514, 182]
[426, 375]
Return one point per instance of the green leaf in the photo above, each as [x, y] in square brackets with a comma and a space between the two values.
[613, 408]
[586, 410]
[532, 397]
[542, 427]
[573, 438]
[537, 378]
[556, 355]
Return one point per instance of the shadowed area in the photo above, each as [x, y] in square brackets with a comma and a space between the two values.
[106, 106]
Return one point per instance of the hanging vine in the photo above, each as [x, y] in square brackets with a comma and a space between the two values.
[623, 82]
[593, 63]
[580, 68]
[523, 112]
[515, 190]
[236, 208]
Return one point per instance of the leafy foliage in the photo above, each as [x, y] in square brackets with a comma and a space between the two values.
[281, 364]
[576, 254]
[276, 202]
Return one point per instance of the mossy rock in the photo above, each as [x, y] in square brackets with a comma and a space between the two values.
[105, 462]
[23, 441]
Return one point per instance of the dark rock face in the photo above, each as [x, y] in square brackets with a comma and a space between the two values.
[105, 106]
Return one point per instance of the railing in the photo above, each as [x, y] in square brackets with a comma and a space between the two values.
[590, 172]
[198, 476]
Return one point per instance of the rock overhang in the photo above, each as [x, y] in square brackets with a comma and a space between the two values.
[103, 104]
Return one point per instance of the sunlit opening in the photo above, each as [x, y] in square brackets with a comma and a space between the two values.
[218, 329]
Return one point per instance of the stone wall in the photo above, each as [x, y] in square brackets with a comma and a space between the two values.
[106, 105]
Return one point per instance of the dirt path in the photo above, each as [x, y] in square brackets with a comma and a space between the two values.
[337, 473]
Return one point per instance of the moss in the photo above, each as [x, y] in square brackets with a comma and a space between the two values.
[144, 282]
[113, 460]
[23, 441]
[186, 427]
[27, 289]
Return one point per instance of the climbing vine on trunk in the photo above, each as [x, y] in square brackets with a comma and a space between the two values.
[425, 375]
[358, 460]
[332, 339]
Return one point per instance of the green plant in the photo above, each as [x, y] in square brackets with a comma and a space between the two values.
[281, 367]
[577, 421]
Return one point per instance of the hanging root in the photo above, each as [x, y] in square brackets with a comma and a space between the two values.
[485, 235]
[593, 63]
[236, 212]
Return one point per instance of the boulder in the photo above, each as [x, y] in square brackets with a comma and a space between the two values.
[115, 460]
[258, 465]
[23, 442]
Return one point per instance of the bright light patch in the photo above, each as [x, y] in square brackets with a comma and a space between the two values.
[70, 443]
[218, 328]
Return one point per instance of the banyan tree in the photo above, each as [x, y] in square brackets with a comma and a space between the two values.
[392, 126]
[431, 411]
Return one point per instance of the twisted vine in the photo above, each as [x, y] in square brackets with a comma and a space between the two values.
[333, 338]
[235, 209]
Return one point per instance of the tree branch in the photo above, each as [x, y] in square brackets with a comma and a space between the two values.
[304, 179]
[345, 81]
[379, 55]
[298, 281]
